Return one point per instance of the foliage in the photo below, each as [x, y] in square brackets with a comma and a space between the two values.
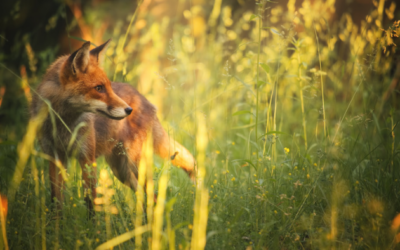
[299, 113]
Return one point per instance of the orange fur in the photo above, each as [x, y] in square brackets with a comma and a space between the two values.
[117, 117]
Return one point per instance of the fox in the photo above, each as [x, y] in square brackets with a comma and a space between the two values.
[117, 118]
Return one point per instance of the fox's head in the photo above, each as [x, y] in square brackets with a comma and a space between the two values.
[87, 86]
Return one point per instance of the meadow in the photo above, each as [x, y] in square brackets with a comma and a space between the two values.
[290, 112]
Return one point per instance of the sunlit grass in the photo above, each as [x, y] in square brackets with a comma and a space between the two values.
[295, 144]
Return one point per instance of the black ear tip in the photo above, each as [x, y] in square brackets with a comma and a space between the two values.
[86, 44]
[107, 42]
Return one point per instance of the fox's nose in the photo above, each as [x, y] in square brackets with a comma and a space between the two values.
[128, 110]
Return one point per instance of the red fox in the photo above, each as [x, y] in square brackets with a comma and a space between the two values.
[117, 117]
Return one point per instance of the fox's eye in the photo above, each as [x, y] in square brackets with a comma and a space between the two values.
[99, 88]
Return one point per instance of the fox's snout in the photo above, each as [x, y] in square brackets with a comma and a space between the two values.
[128, 111]
[117, 113]
[119, 109]
[113, 112]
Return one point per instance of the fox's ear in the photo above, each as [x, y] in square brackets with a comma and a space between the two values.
[80, 59]
[99, 52]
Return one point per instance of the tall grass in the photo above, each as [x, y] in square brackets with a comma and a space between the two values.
[295, 144]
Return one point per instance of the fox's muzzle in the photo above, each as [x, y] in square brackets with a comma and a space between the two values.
[128, 110]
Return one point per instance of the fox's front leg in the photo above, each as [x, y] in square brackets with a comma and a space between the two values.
[89, 175]
[57, 186]
[87, 160]
[85, 147]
